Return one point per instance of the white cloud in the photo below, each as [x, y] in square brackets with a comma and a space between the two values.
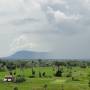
[45, 25]
[20, 43]
[56, 1]
[60, 16]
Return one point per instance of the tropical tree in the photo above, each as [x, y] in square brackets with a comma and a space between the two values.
[40, 62]
[33, 71]
[59, 70]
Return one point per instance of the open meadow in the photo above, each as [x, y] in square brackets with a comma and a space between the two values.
[43, 78]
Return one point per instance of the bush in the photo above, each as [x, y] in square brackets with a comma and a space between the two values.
[69, 74]
[75, 79]
[32, 76]
[40, 75]
[15, 88]
[89, 83]
[44, 74]
[58, 74]
[20, 79]
[2, 70]
[45, 86]
[83, 66]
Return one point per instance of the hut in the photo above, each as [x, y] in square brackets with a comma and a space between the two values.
[8, 78]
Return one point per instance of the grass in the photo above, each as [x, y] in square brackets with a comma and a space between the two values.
[53, 83]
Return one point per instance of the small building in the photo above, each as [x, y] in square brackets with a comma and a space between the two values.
[8, 78]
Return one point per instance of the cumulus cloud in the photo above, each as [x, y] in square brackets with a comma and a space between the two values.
[58, 26]
[20, 43]
[31, 42]
[60, 16]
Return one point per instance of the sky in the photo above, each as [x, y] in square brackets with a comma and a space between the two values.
[61, 27]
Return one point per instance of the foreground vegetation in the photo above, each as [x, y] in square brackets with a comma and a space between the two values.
[45, 75]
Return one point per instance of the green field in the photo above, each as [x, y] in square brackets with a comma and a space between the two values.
[81, 76]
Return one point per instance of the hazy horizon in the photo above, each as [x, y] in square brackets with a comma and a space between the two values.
[61, 27]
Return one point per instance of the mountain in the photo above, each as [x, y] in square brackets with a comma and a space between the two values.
[30, 55]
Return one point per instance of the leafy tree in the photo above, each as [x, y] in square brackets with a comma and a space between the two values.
[40, 75]
[57, 64]
[33, 73]
[11, 66]
[58, 73]
[59, 70]
[44, 74]
[40, 62]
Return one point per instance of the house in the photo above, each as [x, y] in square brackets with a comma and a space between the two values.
[8, 78]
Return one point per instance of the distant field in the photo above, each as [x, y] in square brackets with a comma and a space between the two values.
[53, 83]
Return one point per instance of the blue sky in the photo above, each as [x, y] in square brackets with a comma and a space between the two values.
[61, 27]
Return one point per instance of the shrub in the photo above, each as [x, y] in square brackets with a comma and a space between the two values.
[58, 73]
[40, 75]
[45, 86]
[2, 70]
[32, 76]
[44, 74]
[69, 74]
[89, 83]
[75, 79]
[20, 79]
[83, 66]
[15, 88]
